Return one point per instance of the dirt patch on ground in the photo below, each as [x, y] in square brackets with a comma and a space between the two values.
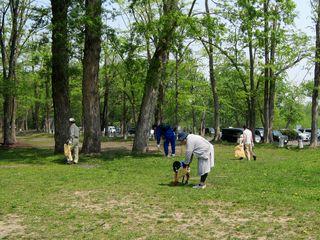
[11, 226]
[220, 220]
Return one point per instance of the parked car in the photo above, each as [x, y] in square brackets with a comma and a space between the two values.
[276, 134]
[111, 129]
[210, 131]
[132, 130]
[259, 132]
[232, 135]
[308, 130]
[305, 136]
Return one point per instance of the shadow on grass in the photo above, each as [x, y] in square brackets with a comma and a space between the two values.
[172, 185]
[43, 156]
[25, 155]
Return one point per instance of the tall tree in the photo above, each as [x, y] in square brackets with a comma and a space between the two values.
[213, 81]
[168, 24]
[60, 78]
[14, 33]
[315, 92]
[90, 82]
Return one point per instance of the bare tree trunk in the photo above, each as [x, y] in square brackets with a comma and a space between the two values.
[8, 58]
[90, 83]
[213, 82]
[105, 110]
[272, 91]
[203, 124]
[153, 79]
[252, 109]
[161, 95]
[47, 106]
[176, 88]
[193, 120]
[315, 93]
[60, 78]
[124, 110]
[36, 117]
[266, 73]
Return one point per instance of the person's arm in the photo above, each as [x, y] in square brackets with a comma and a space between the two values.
[252, 142]
[189, 153]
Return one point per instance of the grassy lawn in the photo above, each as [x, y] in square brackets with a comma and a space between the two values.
[120, 196]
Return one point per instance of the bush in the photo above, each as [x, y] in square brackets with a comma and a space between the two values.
[292, 135]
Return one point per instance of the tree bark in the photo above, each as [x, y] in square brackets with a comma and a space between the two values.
[161, 95]
[90, 83]
[8, 57]
[315, 93]
[266, 72]
[153, 79]
[252, 108]
[60, 78]
[105, 110]
[213, 82]
[47, 106]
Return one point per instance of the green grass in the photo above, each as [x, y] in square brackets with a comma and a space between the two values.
[120, 196]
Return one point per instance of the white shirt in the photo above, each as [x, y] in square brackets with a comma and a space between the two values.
[247, 136]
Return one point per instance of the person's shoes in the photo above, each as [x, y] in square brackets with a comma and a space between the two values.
[254, 157]
[173, 155]
[199, 186]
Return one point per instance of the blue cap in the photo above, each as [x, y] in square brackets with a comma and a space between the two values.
[182, 136]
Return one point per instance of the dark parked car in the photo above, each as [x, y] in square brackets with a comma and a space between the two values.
[132, 131]
[232, 135]
[277, 135]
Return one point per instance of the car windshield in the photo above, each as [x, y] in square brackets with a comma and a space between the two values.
[277, 133]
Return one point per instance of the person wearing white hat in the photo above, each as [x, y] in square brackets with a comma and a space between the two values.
[203, 150]
[74, 134]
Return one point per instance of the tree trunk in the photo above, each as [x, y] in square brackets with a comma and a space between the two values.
[105, 110]
[161, 95]
[203, 124]
[47, 106]
[272, 91]
[36, 116]
[176, 88]
[90, 83]
[153, 79]
[315, 93]
[252, 109]
[60, 78]
[266, 73]
[124, 110]
[8, 58]
[213, 82]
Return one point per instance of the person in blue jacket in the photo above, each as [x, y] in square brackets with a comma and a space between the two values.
[169, 136]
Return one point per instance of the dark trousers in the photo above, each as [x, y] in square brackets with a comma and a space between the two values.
[172, 141]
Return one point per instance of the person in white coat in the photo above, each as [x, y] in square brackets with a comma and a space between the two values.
[248, 143]
[203, 150]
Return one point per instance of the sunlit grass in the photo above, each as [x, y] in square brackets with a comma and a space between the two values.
[120, 196]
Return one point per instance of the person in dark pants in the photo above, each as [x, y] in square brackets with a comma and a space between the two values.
[167, 132]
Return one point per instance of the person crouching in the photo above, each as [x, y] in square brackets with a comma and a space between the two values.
[203, 150]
